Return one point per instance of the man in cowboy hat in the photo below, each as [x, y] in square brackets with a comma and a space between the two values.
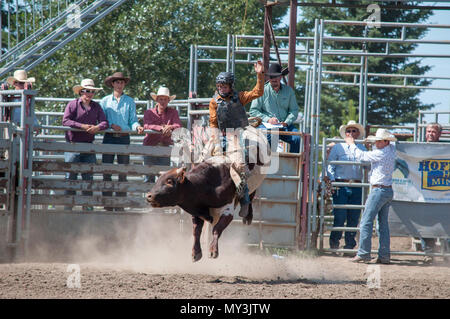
[162, 119]
[120, 111]
[86, 115]
[382, 160]
[19, 81]
[227, 115]
[346, 195]
[433, 132]
[278, 106]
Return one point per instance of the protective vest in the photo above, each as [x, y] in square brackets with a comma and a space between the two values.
[230, 114]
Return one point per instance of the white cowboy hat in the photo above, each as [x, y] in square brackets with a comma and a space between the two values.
[85, 84]
[20, 76]
[163, 91]
[381, 135]
[352, 123]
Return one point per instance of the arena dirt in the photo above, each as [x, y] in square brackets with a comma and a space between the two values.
[158, 265]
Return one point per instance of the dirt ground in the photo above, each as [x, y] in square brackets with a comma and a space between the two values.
[166, 272]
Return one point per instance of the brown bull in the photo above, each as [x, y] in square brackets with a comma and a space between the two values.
[199, 191]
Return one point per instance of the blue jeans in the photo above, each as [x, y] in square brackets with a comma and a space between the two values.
[377, 203]
[154, 160]
[70, 157]
[351, 196]
[428, 244]
[121, 159]
[245, 196]
[292, 140]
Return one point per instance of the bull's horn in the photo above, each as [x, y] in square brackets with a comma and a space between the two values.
[181, 169]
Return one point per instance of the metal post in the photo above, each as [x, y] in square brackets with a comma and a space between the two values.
[317, 127]
[292, 42]
[228, 52]
[266, 41]
[191, 70]
[312, 112]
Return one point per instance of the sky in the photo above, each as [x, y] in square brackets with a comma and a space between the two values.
[440, 66]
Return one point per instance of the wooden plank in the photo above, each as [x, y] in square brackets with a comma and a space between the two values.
[96, 186]
[132, 149]
[129, 169]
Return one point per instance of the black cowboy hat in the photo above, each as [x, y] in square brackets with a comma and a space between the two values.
[276, 71]
[116, 76]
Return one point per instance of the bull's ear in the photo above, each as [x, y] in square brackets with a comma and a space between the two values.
[180, 174]
[161, 173]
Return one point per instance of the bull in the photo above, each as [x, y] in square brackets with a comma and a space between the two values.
[207, 192]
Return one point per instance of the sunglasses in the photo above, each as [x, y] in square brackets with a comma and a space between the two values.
[87, 91]
[351, 131]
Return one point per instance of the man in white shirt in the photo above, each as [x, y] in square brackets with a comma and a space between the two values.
[382, 160]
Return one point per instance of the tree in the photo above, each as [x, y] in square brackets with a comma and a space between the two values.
[150, 40]
[384, 105]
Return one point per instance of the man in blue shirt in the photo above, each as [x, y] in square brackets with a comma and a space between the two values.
[346, 194]
[278, 106]
[120, 111]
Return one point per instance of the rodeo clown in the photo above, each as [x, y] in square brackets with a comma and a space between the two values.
[227, 119]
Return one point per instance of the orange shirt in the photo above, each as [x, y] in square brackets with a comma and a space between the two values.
[244, 96]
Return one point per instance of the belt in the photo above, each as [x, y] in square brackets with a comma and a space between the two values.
[348, 180]
[381, 186]
[118, 134]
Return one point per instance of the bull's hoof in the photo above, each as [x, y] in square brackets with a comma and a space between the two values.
[247, 220]
[213, 254]
[196, 257]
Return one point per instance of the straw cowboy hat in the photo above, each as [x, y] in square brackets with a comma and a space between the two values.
[116, 76]
[163, 91]
[381, 135]
[85, 84]
[352, 123]
[20, 76]
[276, 71]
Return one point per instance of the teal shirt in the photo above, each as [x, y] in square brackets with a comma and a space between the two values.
[122, 113]
[282, 105]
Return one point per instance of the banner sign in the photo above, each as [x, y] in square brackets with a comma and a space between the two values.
[422, 172]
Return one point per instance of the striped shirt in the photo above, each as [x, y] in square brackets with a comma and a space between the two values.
[382, 163]
[343, 152]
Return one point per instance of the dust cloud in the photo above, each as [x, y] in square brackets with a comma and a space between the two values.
[162, 245]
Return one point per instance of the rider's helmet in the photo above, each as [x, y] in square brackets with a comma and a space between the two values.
[225, 78]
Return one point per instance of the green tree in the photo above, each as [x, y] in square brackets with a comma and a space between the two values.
[150, 40]
[384, 105]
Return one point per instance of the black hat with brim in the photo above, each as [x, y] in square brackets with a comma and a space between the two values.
[275, 70]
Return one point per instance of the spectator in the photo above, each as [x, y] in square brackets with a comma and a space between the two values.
[382, 160]
[226, 111]
[346, 194]
[278, 106]
[20, 81]
[84, 114]
[432, 134]
[120, 111]
[162, 119]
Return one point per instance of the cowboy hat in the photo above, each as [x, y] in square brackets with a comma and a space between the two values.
[352, 123]
[20, 76]
[381, 135]
[276, 71]
[116, 76]
[163, 91]
[85, 84]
